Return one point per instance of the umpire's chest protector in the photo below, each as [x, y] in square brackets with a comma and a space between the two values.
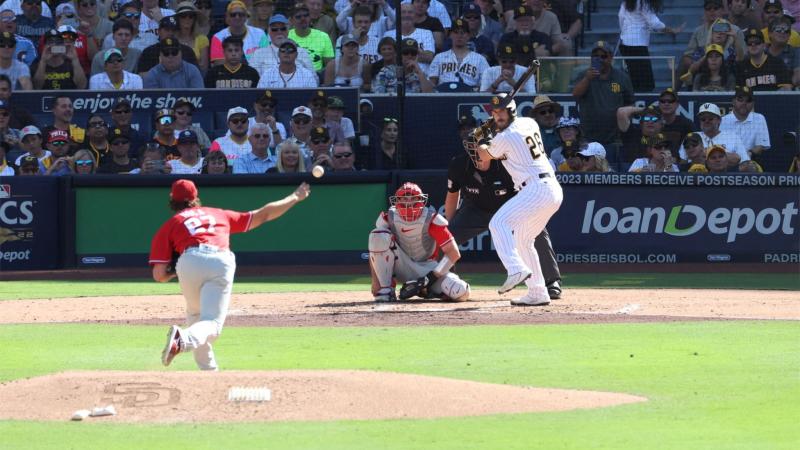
[413, 237]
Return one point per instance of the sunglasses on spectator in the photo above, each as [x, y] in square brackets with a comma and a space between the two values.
[301, 120]
[59, 143]
[132, 15]
[260, 136]
[287, 49]
[83, 162]
[68, 37]
[166, 120]
[122, 111]
[170, 52]
[121, 142]
[238, 120]
[545, 111]
[666, 100]
[319, 141]
[30, 171]
[277, 29]
[659, 146]
[7, 44]
[203, 5]
[409, 53]
[508, 61]
[300, 16]
[390, 120]
[183, 112]
[99, 124]
[649, 119]
[753, 43]
[116, 60]
[343, 155]
[600, 55]
[237, 14]
[744, 99]
[472, 17]
[781, 29]
[187, 15]
[266, 104]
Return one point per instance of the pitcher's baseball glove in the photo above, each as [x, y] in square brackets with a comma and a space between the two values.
[173, 262]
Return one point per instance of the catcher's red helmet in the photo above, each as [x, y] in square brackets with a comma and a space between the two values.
[409, 201]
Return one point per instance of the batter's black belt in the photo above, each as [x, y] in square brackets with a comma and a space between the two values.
[541, 175]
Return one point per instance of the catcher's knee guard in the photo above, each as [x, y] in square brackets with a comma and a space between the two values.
[455, 288]
[381, 256]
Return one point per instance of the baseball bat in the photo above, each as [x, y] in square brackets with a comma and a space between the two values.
[487, 126]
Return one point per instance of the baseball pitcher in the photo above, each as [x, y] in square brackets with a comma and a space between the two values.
[206, 266]
[405, 244]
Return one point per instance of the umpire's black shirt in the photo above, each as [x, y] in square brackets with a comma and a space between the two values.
[486, 190]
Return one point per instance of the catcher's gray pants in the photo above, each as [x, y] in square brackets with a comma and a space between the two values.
[206, 277]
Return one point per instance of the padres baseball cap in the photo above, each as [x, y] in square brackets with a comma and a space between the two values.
[409, 45]
[169, 43]
[165, 112]
[567, 122]
[753, 34]
[319, 97]
[471, 9]
[6, 37]
[604, 46]
[121, 101]
[29, 162]
[773, 4]
[56, 135]
[506, 52]
[183, 191]
[651, 111]
[187, 137]
[234, 111]
[692, 139]
[668, 92]
[715, 48]
[183, 101]
[117, 134]
[459, 25]
[744, 92]
[709, 108]
[522, 11]
[169, 22]
[267, 97]
[320, 133]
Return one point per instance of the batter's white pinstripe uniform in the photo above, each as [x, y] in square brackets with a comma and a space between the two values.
[449, 69]
[516, 224]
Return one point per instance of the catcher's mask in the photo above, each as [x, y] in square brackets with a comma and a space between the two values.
[471, 147]
[409, 201]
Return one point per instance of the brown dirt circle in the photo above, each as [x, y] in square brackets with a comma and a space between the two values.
[345, 395]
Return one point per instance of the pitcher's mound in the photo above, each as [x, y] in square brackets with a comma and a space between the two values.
[295, 395]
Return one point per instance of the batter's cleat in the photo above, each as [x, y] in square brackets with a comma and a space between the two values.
[173, 346]
[530, 301]
[554, 290]
[513, 280]
[385, 295]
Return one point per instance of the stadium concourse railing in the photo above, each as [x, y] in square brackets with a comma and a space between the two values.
[558, 74]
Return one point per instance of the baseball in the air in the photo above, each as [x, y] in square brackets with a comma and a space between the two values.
[318, 171]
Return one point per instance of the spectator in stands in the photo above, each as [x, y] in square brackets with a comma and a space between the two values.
[25, 51]
[121, 118]
[57, 143]
[16, 71]
[388, 53]
[19, 117]
[62, 120]
[165, 133]
[659, 157]
[215, 163]
[301, 128]
[779, 46]
[259, 160]
[5, 169]
[482, 26]
[205, 9]
[546, 113]
[572, 162]
[593, 158]
[501, 78]
[152, 161]
[385, 156]
[650, 124]
[695, 152]
[710, 119]
[741, 15]
[637, 19]
[31, 24]
[320, 146]
[265, 108]
[713, 74]
[794, 166]
[481, 44]
[84, 47]
[132, 12]
[9, 135]
[97, 137]
[31, 143]
[748, 125]
[424, 38]
[751, 167]
[319, 20]
[318, 44]
[335, 116]
[367, 44]
[568, 129]
[266, 59]
[773, 9]
[695, 49]
[260, 12]
[382, 17]
[122, 33]
[319, 110]
[675, 126]
[173, 72]
[731, 48]
[190, 24]
[58, 68]
[234, 144]
[119, 160]
[29, 165]
[717, 160]
[344, 159]
[167, 29]
[289, 73]
[234, 73]
[184, 110]
[762, 71]
[528, 42]
[570, 17]
[96, 25]
[152, 14]
[289, 159]
[115, 77]
[546, 22]
[458, 69]
[236, 18]
[348, 69]
[434, 25]
[190, 161]
[599, 93]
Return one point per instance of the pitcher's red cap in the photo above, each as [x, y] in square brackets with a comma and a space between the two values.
[183, 191]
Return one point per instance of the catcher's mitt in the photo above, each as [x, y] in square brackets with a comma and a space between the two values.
[418, 287]
[173, 262]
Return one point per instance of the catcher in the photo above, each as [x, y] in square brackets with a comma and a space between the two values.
[404, 246]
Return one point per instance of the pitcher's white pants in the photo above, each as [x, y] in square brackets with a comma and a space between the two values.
[206, 278]
[516, 224]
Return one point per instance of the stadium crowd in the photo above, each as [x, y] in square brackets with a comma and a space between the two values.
[741, 46]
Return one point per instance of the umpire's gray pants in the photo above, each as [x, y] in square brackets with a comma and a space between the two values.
[206, 277]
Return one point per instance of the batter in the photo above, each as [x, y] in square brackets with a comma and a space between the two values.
[514, 227]
[206, 266]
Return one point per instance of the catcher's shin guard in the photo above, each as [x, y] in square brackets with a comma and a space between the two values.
[381, 256]
[455, 288]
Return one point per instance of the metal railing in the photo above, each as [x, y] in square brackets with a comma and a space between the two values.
[558, 74]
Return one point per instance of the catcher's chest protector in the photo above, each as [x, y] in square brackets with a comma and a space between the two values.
[413, 237]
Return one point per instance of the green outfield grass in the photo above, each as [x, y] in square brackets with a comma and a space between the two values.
[12, 290]
[711, 385]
